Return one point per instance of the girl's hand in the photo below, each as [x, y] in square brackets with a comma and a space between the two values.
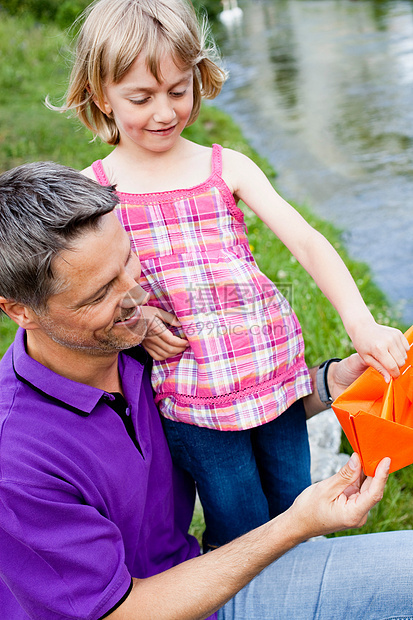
[382, 347]
[159, 342]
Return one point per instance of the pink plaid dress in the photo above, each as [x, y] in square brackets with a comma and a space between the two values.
[245, 364]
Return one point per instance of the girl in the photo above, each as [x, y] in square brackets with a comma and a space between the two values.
[230, 374]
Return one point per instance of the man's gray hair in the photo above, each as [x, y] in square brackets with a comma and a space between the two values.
[44, 207]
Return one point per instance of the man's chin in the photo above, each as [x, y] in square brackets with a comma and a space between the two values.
[108, 343]
[135, 334]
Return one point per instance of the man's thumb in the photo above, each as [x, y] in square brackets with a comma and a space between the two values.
[350, 472]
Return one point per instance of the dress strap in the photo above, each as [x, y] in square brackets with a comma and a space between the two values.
[99, 172]
[216, 166]
[217, 159]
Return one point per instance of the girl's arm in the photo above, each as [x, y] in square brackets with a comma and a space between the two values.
[380, 346]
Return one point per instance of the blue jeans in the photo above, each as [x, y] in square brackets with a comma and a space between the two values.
[244, 478]
[367, 577]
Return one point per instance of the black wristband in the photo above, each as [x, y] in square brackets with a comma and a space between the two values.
[322, 382]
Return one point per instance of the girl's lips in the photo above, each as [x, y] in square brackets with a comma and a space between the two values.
[162, 132]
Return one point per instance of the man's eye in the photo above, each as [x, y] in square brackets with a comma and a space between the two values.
[100, 298]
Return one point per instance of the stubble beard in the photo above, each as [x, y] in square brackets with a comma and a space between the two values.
[99, 345]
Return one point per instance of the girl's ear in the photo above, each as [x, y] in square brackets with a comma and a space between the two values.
[20, 314]
[105, 108]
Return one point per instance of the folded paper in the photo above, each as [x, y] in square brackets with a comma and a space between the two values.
[377, 417]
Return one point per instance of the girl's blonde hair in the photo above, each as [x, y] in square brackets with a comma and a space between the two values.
[115, 32]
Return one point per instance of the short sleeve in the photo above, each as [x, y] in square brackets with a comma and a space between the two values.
[61, 559]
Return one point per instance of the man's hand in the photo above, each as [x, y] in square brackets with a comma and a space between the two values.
[342, 374]
[159, 342]
[340, 502]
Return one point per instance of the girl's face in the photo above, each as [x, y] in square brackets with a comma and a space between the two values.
[150, 115]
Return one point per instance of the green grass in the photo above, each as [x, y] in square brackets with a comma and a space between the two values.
[34, 63]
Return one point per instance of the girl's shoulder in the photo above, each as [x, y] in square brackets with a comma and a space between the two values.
[234, 158]
[97, 173]
[88, 172]
[236, 168]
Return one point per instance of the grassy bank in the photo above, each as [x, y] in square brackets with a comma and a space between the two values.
[34, 63]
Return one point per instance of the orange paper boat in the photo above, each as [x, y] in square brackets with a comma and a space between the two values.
[377, 417]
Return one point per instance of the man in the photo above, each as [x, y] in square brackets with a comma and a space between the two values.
[93, 517]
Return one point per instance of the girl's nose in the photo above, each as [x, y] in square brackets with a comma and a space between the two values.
[164, 112]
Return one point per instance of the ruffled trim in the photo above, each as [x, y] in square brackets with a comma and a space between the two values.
[214, 180]
[223, 399]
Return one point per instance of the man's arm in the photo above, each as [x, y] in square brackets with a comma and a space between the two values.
[197, 588]
[340, 376]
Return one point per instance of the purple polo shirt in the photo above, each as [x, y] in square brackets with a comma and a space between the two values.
[81, 509]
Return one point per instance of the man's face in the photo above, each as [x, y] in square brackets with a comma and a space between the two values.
[98, 309]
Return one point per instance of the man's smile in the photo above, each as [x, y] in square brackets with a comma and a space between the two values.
[128, 317]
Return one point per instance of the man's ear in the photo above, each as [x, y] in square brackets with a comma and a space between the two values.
[19, 313]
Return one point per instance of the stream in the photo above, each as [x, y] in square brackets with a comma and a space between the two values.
[324, 90]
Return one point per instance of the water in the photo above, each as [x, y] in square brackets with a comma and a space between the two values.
[324, 89]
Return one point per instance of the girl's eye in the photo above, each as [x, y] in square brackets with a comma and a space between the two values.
[179, 94]
[140, 101]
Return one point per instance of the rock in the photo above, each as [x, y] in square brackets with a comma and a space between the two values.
[324, 431]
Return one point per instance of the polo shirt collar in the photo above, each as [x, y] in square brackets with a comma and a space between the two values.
[78, 397]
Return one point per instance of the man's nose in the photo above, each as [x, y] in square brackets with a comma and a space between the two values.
[136, 296]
